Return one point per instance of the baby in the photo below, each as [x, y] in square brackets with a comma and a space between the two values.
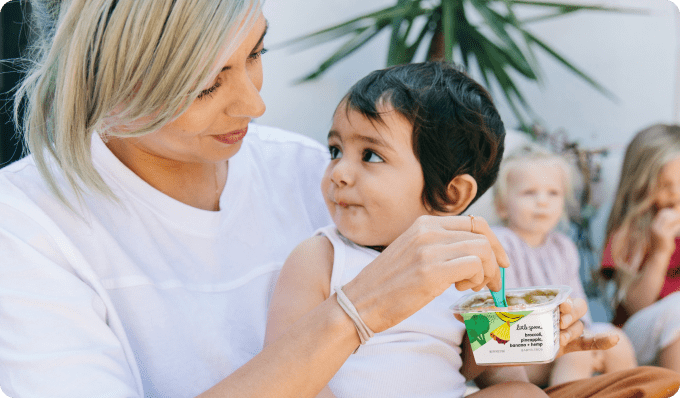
[407, 143]
[530, 196]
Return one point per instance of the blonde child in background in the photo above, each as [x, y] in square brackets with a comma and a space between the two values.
[642, 254]
[409, 143]
[530, 197]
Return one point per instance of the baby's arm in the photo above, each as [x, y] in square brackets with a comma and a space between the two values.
[304, 283]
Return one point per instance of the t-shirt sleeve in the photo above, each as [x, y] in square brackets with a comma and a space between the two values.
[55, 340]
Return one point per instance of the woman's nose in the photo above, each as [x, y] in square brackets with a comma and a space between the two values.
[675, 190]
[246, 101]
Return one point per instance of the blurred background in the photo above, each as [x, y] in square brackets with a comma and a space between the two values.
[582, 78]
[615, 72]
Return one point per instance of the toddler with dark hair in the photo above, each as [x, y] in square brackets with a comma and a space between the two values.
[407, 144]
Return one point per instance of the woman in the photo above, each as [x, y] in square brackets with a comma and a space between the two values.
[141, 239]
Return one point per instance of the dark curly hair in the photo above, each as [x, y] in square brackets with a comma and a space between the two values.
[456, 127]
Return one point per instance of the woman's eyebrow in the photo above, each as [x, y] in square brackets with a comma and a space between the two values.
[266, 27]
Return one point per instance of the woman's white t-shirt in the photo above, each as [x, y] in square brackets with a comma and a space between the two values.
[148, 296]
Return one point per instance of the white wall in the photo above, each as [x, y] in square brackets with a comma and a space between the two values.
[635, 56]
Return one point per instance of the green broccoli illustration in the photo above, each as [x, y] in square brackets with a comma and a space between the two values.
[477, 326]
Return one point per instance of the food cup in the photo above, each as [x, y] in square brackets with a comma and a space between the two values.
[526, 332]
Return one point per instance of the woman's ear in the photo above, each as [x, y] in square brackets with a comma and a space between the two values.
[461, 191]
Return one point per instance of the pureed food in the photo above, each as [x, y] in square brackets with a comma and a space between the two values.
[525, 332]
[514, 300]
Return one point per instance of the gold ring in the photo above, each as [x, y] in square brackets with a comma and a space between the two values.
[472, 223]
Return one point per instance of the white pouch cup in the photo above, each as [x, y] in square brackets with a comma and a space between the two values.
[526, 332]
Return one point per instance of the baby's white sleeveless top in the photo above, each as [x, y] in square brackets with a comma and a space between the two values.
[419, 357]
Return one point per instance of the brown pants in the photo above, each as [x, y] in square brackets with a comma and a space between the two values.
[643, 381]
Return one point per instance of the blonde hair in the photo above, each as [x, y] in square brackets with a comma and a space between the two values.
[106, 65]
[633, 209]
[531, 153]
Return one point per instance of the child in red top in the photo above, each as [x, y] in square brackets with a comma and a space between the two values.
[642, 253]
[671, 283]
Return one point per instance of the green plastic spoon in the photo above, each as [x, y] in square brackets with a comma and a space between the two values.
[499, 296]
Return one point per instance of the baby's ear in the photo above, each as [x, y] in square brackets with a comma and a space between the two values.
[461, 191]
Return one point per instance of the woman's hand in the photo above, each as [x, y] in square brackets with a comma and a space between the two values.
[571, 330]
[433, 254]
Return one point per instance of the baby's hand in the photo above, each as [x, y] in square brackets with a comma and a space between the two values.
[571, 330]
[665, 227]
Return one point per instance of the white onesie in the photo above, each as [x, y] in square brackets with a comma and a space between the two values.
[419, 357]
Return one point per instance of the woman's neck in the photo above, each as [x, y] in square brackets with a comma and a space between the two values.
[195, 184]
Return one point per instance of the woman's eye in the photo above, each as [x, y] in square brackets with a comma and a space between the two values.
[372, 157]
[209, 91]
[258, 54]
[335, 152]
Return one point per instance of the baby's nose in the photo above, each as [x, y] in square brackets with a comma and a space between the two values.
[343, 173]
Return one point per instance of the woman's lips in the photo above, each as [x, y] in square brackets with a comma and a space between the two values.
[232, 137]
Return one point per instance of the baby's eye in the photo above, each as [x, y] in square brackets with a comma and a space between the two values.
[335, 152]
[371, 157]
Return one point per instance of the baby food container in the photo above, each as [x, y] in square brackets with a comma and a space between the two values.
[526, 332]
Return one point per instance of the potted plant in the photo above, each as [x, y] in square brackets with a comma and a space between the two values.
[499, 45]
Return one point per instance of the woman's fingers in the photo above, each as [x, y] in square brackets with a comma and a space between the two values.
[481, 227]
[435, 253]
[480, 251]
[470, 268]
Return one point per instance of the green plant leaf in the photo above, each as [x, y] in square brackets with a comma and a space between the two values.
[577, 7]
[348, 48]
[411, 50]
[570, 66]
[505, 47]
[497, 23]
[381, 17]
[546, 17]
[485, 55]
